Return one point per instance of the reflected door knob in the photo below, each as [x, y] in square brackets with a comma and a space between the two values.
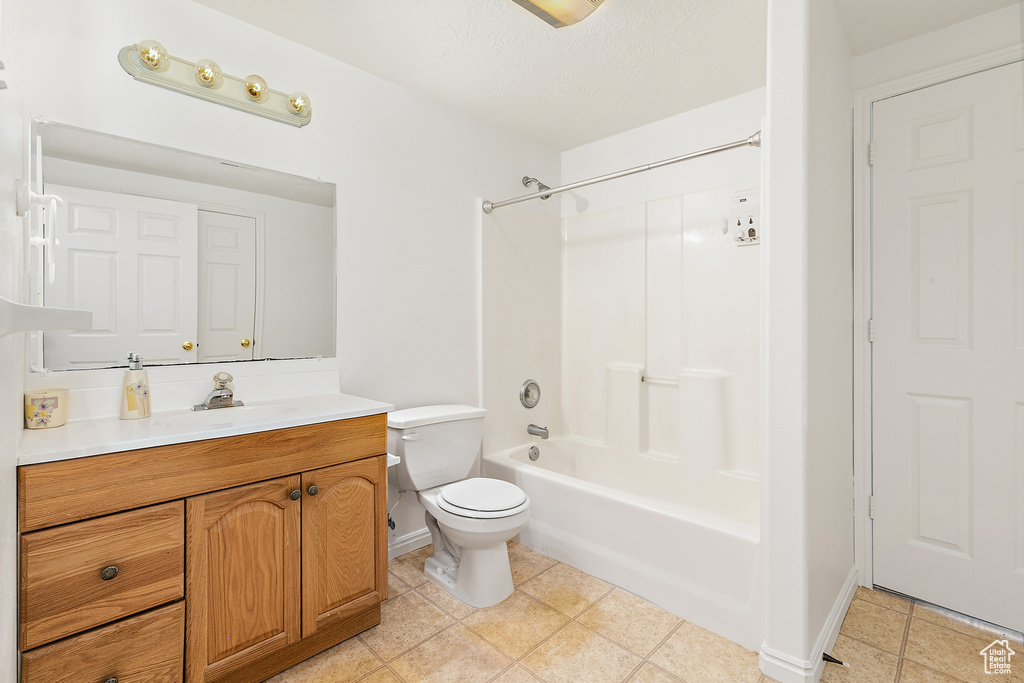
[245, 343]
[313, 490]
[187, 346]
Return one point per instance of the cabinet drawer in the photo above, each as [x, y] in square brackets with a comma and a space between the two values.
[64, 588]
[143, 649]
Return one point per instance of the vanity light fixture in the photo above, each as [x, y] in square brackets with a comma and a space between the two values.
[208, 74]
[149, 62]
[560, 13]
[153, 56]
[298, 103]
[256, 89]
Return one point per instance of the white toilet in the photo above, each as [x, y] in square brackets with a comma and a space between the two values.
[469, 519]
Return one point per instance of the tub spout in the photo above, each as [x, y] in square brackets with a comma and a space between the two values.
[542, 432]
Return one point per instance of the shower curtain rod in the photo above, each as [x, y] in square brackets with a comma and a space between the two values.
[753, 141]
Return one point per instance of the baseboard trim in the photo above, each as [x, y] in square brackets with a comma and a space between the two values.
[786, 668]
[409, 542]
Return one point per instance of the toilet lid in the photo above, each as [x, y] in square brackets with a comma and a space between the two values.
[483, 495]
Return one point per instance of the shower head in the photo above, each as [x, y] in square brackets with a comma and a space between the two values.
[527, 181]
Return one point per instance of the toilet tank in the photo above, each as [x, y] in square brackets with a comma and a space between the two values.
[437, 444]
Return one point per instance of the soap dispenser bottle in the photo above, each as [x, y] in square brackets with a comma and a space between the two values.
[135, 392]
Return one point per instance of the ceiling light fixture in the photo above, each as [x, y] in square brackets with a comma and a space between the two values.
[149, 62]
[560, 13]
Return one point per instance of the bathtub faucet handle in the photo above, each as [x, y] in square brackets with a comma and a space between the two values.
[542, 432]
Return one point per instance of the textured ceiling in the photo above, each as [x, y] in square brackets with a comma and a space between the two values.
[871, 24]
[629, 63]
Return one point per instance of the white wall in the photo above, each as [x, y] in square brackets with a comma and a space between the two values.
[522, 277]
[807, 457]
[299, 250]
[829, 313]
[409, 174]
[982, 35]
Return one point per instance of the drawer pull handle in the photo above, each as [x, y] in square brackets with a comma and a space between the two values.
[313, 490]
[107, 574]
[111, 679]
[295, 495]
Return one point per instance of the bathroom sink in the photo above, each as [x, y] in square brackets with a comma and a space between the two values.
[224, 417]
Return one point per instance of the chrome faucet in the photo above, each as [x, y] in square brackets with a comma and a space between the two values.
[542, 432]
[222, 396]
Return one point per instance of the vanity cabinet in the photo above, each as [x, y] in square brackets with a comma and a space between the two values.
[244, 576]
[253, 588]
[340, 576]
[273, 544]
[81, 575]
[144, 648]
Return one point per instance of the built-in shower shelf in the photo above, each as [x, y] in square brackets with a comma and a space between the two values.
[24, 318]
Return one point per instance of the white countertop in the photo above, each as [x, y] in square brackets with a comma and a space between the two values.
[80, 438]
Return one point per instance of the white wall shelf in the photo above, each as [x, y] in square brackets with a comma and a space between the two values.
[23, 318]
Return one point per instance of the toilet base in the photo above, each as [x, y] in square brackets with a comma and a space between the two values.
[480, 578]
[470, 558]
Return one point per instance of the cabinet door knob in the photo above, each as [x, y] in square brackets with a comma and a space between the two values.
[111, 679]
[245, 343]
[313, 490]
[109, 573]
[187, 346]
[295, 495]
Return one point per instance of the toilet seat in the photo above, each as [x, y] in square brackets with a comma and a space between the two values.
[482, 498]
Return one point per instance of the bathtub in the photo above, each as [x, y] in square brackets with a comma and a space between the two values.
[686, 541]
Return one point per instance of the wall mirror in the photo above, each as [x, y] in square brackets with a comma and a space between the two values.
[182, 258]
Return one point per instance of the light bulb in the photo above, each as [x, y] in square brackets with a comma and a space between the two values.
[298, 104]
[256, 89]
[153, 56]
[208, 74]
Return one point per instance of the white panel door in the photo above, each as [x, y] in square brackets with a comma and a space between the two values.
[227, 286]
[948, 357]
[132, 262]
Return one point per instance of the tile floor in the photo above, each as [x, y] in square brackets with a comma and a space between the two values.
[887, 638]
[561, 625]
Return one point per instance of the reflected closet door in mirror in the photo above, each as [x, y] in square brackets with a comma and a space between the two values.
[131, 261]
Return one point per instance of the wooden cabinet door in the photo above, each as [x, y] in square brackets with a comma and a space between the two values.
[242, 579]
[344, 545]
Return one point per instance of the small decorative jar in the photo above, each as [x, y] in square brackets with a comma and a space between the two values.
[46, 408]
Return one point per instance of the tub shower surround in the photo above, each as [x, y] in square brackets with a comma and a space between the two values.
[651, 480]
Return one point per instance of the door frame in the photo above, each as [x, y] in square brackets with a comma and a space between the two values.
[864, 101]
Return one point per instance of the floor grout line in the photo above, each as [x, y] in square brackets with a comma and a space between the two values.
[903, 643]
